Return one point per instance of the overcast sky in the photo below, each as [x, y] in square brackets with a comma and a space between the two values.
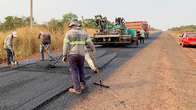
[161, 14]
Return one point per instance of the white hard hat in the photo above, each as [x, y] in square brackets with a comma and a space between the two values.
[74, 23]
[14, 34]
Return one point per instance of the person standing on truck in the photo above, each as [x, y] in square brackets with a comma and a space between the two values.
[45, 44]
[8, 46]
[75, 42]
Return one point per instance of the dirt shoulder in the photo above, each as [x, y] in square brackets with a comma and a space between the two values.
[160, 77]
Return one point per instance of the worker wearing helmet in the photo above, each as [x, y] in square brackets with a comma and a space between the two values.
[8, 46]
[45, 44]
[75, 42]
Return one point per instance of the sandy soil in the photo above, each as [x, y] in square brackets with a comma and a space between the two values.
[160, 77]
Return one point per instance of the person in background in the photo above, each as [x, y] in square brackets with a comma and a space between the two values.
[8, 46]
[142, 36]
[138, 35]
[75, 42]
[45, 45]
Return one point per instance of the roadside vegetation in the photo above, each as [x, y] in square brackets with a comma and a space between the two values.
[179, 30]
[27, 43]
[154, 29]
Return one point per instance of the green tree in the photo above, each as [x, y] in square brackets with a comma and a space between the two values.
[89, 23]
[188, 28]
[13, 22]
[68, 17]
[9, 23]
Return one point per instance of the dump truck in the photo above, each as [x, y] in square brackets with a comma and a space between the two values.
[113, 33]
[138, 26]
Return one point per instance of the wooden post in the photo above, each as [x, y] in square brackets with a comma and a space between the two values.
[31, 14]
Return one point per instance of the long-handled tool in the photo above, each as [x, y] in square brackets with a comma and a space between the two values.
[90, 59]
[52, 65]
[100, 82]
[14, 62]
[58, 59]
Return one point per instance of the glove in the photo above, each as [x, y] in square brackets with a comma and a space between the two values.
[46, 46]
[64, 59]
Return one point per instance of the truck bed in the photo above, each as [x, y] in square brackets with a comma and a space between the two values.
[113, 39]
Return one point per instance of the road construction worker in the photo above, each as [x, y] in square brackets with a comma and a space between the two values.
[45, 44]
[75, 42]
[139, 36]
[142, 36]
[8, 46]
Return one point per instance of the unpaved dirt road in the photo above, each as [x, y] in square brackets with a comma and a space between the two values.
[161, 76]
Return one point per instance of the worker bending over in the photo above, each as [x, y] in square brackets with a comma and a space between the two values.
[8, 46]
[45, 45]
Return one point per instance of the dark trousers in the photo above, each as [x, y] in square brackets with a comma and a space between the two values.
[42, 48]
[76, 65]
[9, 56]
[141, 40]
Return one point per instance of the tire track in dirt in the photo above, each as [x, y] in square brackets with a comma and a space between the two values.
[164, 92]
[185, 74]
[145, 82]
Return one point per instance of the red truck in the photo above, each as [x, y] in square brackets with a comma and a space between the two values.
[139, 25]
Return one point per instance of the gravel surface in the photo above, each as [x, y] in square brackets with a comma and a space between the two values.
[160, 77]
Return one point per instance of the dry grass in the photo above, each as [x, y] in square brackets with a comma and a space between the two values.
[176, 34]
[91, 32]
[27, 42]
[2, 53]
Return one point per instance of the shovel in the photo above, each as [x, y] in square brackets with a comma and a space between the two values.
[100, 82]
